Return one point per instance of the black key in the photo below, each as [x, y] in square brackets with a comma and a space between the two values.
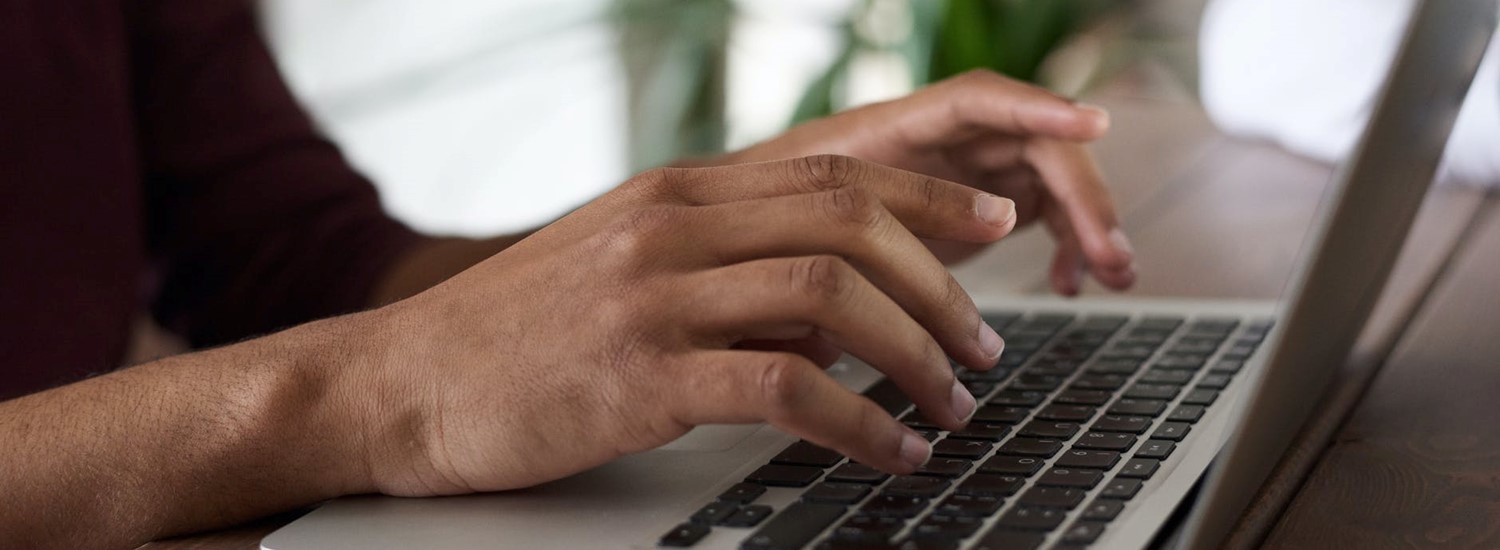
[1166, 376]
[714, 512]
[1137, 407]
[1022, 466]
[1049, 430]
[794, 527]
[1083, 532]
[837, 493]
[930, 435]
[1155, 448]
[1109, 322]
[1036, 382]
[1099, 382]
[1066, 413]
[915, 419]
[1160, 322]
[1002, 539]
[857, 473]
[1213, 381]
[1084, 397]
[1172, 431]
[1031, 447]
[1240, 350]
[1102, 509]
[916, 486]
[980, 389]
[1104, 441]
[999, 319]
[683, 536]
[962, 448]
[946, 526]
[1227, 366]
[1122, 424]
[990, 485]
[969, 505]
[749, 516]
[1139, 468]
[1116, 366]
[1186, 413]
[1032, 518]
[1099, 460]
[1016, 398]
[893, 506]
[982, 430]
[742, 493]
[944, 467]
[868, 528]
[1153, 391]
[996, 374]
[889, 396]
[1052, 497]
[1070, 477]
[806, 454]
[1200, 397]
[1123, 350]
[1177, 361]
[1000, 414]
[782, 475]
[1196, 344]
[1121, 488]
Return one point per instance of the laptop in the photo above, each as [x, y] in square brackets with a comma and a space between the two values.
[1108, 424]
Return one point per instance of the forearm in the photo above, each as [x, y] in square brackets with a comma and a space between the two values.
[183, 444]
[434, 262]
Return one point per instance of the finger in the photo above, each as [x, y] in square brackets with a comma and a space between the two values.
[787, 298]
[1074, 184]
[794, 395]
[928, 206]
[814, 348]
[982, 102]
[852, 224]
[1067, 268]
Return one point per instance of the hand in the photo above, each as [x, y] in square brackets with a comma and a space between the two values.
[998, 135]
[670, 302]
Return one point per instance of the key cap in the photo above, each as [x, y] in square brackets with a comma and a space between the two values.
[1164, 376]
[1213, 381]
[1239, 350]
[982, 506]
[781, 475]
[1139, 468]
[1155, 448]
[1032, 518]
[1099, 382]
[1196, 344]
[794, 527]
[1137, 407]
[857, 473]
[1167, 323]
[1083, 397]
[714, 512]
[1036, 382]
[1121, 488]
[1177, 361]
[1026, 446]
[1022, 466]
[1002, 539]
[945, 526]
[990, 485]
[868, 528]
[929, 435]
[999, 319]
[998, 414]
[1122, 424]
[916, 486]
[683, 536]
[1098, 460]
[803, 453]
[944, 467]
[1070, 477]
[1124, 366]
[1104, 441]
[1015, 398]
[742, 493]
[996, 374]
[1200, 397]
[748, 516]
[1186, 413]
[1227, 366]
[888, 396]
[890, 505]
[1103, 509]
[1049, 430]
[1129, 351]
[837, 493]
[1083, 532]
[982, 430]
[979, 389]
[1066, 413]
[915, 419]
[1173, 431]
[1153, 391]
[961, 448]
[1052, 497]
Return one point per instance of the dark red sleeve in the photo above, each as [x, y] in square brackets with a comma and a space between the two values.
[256, 220]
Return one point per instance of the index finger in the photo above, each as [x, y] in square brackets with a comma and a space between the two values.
[1074, 183]
[982, 102]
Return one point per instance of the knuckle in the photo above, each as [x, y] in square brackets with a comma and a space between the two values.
[642, 229]
[825, 279]
[828, 171]
[855, 207]
[930, 190]
[658, 183]
[783, 383]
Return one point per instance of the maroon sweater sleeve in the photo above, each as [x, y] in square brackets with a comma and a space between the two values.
[256, 220]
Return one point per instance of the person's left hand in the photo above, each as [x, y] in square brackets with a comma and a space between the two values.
[996, 134]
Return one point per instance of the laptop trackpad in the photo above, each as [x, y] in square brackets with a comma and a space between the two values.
[715, 438]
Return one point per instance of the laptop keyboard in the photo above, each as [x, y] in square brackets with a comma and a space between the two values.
[1076, 417]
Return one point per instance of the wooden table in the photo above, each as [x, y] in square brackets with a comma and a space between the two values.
[1414, 459]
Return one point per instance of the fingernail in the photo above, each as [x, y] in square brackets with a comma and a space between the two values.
[994, 210]
[1121, 242]
[989, 341]
[915, 450]
[1101, 116]
[963, 402]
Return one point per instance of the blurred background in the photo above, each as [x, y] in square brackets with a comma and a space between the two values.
[484, 116]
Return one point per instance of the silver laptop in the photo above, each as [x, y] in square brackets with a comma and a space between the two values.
[1101, 420]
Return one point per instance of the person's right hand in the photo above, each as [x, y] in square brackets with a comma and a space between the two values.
[684, 297]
